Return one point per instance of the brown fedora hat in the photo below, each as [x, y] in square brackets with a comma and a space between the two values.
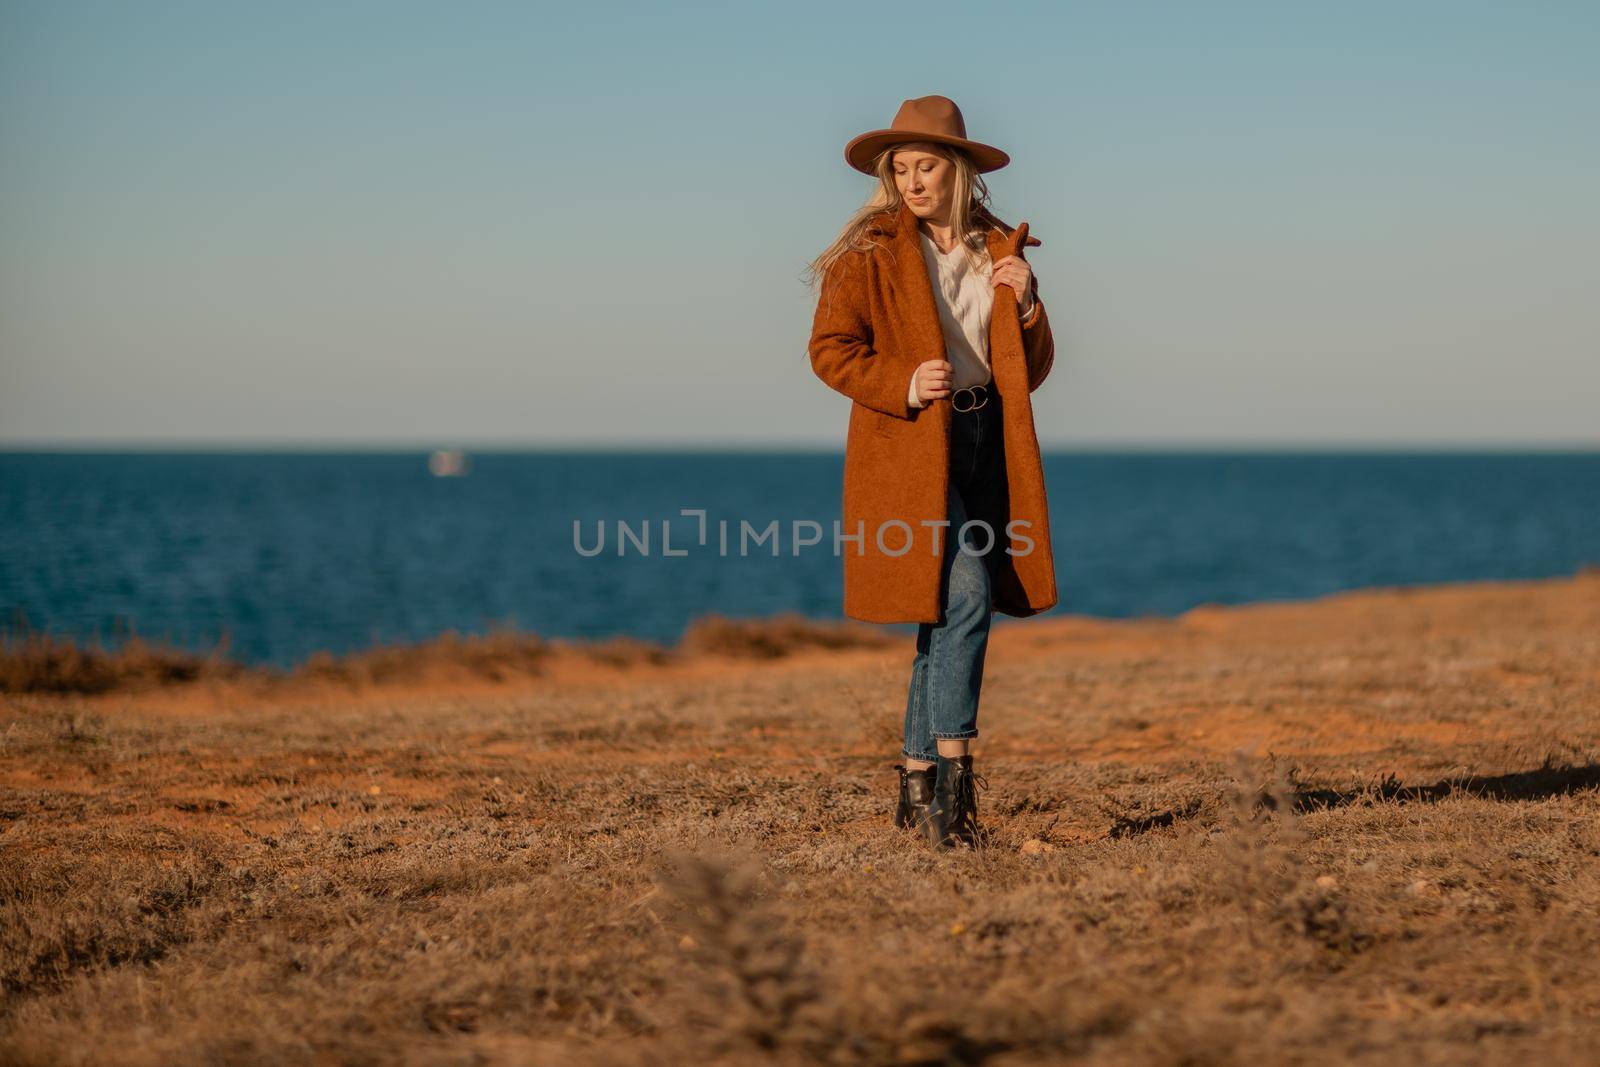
[927, 118]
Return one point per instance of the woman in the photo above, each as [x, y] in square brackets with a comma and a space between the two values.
[929, 319]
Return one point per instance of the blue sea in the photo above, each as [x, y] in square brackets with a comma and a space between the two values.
[287, 554]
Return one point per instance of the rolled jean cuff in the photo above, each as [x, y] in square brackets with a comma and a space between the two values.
[930, 757]
[959, 735]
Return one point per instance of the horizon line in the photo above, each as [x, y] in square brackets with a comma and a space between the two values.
[392, 446]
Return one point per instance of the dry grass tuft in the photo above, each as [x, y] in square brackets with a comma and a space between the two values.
[778, 636]
[36, 662]
[757, 988]
[622, 652]
[500, 655]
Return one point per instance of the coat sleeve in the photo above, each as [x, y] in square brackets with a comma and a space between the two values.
[841, 343]
[1037, 342]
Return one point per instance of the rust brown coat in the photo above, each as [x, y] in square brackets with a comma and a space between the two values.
[876, 321]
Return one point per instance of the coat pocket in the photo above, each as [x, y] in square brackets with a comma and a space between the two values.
[887, 426]
[876, 426]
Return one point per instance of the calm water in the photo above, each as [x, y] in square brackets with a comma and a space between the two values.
[292, 553]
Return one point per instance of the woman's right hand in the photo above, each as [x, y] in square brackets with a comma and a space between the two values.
[932, 380]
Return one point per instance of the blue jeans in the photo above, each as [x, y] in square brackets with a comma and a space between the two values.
[947, 673]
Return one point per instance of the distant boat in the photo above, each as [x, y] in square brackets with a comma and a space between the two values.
[448, 463]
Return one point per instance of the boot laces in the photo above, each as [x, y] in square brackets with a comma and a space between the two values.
[965, 815]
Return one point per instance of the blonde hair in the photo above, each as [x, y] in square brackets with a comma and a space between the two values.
[969, 211]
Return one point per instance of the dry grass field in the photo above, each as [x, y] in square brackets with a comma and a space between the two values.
[1359, 830]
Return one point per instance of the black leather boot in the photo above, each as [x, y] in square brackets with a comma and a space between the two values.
[955, 801]
[918, 798]
[902, 809]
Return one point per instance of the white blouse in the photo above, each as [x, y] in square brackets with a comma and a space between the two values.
[964, 295]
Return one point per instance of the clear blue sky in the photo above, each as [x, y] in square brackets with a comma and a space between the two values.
[1369, 223]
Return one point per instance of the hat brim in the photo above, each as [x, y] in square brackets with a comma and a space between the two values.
[861, 151]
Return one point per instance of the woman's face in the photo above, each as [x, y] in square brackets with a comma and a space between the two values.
[925, 181]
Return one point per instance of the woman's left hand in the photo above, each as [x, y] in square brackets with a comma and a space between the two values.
[1015, 272]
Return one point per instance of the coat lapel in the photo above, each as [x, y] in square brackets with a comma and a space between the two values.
[912, 285]
[1007, 361]
[1002, 244]
[999, 247]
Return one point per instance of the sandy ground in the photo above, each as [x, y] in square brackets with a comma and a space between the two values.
[1344, 831]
